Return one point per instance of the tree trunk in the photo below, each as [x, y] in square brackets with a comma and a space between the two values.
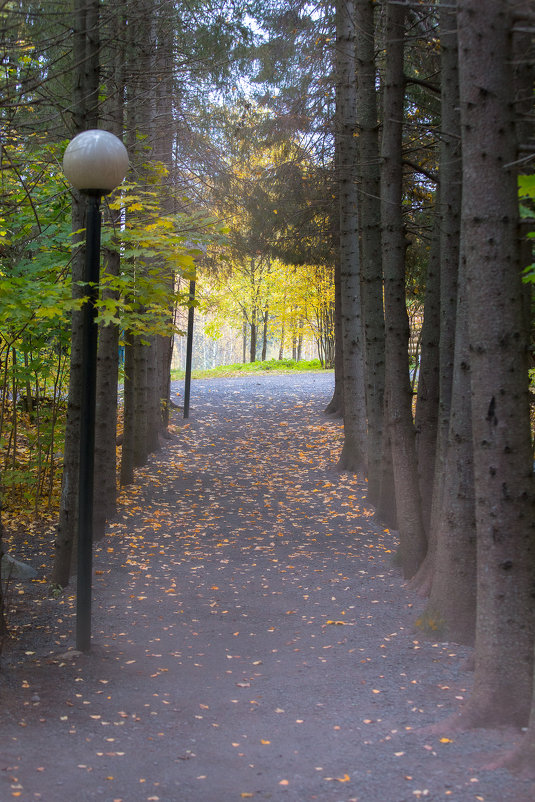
[398, 389]
[522, 759]
[105, 481]
[3, 627]
[353, 456]
[426, 416]
[451, 611]
[265, 334]
[141, 400]
[336, 404]
[386, 504]
[164, 152]
[503, 460]
[449, 208]
[127, 451]
[85, 116]
[369, 178]
[252, 342]
[153, 396]
[166, 356]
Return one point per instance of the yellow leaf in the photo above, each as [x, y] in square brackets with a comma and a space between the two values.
[264, 742]
[446, 741]
[345, 779]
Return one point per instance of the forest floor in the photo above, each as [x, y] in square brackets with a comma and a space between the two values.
[252, 637]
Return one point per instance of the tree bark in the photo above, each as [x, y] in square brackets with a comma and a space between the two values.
[449, 209]
[165, 351]
[369, 182]
[265, 321]
[398, 389]
[153, 396]
[127, 451]
[503, 460]
[105, 481]
[252, 340]
[386, 505]
[353, 457]
[141, 411]
[451, 611]
[336, 404]
[427, 401]
[85, 115]
[522, 759]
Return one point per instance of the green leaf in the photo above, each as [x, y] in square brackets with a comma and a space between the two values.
[526, 186]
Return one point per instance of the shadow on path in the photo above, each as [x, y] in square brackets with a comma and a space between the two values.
[252, 638]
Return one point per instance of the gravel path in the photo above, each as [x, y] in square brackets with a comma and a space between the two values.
[251, 636]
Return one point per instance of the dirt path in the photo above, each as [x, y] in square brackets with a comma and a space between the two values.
[252, 639]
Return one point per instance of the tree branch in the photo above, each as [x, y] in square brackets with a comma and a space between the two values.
[434, 177]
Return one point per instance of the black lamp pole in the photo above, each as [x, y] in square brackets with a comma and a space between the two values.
[87, 425]
[94, 162]
[189, 349]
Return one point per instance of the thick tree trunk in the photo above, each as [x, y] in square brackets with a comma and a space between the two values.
[449, 209]
[105, 481]
[85, 115]
[451, 611]
[64, 555]
[503, 460]
[141, 131]
[522, 759]
[353, 457]
[398, 389]
[369, 180]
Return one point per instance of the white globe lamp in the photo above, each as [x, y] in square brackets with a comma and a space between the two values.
[95, 162]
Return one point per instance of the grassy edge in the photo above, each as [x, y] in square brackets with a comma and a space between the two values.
[272, 366]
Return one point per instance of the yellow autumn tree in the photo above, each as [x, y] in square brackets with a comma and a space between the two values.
[277, 284]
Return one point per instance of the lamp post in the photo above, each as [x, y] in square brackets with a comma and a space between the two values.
[95, 162]
[189, 349]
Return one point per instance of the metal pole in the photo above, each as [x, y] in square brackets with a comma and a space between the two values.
[87, 427]
[189, 350]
